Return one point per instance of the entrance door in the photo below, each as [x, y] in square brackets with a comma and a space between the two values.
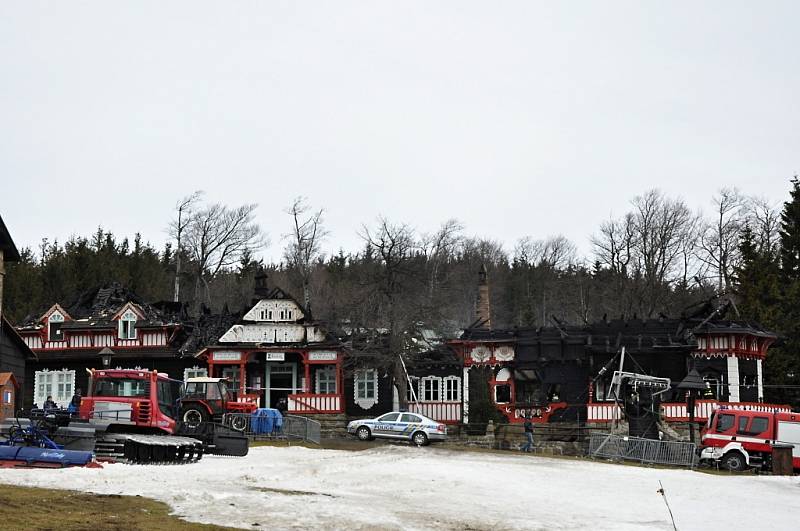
[281, 381]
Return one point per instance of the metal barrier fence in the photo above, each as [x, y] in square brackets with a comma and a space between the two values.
[642, 450]
[261, 428]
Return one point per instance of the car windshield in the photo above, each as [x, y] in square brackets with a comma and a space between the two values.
[389, 417]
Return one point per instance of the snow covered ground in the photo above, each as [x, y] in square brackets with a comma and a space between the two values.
[398, 487]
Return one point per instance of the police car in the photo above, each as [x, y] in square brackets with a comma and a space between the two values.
[403, 425]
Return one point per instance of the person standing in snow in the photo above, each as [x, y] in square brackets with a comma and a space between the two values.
[528, 434]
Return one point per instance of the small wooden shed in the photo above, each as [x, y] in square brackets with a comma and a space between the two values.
[8, 394]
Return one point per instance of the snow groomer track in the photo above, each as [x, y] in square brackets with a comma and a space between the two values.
[148, 449]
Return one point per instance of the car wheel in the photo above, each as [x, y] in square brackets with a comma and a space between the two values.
[734, 461]
[419, 438]
[363, 434]
[194, 416]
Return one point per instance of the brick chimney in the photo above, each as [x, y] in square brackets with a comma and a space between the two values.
[262, 286]
[482, 311]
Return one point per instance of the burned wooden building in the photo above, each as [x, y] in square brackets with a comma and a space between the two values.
[564, 372]
[106, 327]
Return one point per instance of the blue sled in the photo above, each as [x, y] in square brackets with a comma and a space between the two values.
[31, 456]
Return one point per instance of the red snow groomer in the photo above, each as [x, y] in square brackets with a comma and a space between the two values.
[136, 415]
[129, 416]
[209, 400]
[744, 439]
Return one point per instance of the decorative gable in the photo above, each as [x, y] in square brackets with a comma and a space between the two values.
[55, 314]
[129, 311]
[275, 311]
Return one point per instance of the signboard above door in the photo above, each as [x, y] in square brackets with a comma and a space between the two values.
[226, 355]
[322, 355]
[275, 356]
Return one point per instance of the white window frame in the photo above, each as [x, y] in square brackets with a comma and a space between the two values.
[58, 384]
[428, 386]
[55, 318]
[195, 372]
[451, 394]
[232, 383]
[127, 325]
[603, 391]
[7, 396]
[329, 373]
[361, 378]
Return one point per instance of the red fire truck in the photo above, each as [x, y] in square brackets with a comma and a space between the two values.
[742, 439]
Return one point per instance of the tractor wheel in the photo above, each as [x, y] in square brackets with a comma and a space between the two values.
[419, 438]
[193, 416]
[364, 434]
[239, 422]
[734, 461]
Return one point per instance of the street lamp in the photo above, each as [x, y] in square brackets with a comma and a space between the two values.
[693, 382]
[105, 357]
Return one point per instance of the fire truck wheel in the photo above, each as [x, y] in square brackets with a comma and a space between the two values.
[364, 434]
[194, 416]
[734, 461]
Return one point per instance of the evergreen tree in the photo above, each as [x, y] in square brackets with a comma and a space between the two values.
[790, 234]
[782, 367]
[758, 280]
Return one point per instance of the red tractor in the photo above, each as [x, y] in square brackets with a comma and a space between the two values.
[209, 400]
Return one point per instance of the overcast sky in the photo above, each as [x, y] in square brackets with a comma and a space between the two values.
[518, 118]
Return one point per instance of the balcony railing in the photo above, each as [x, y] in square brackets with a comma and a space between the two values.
[446, 412]
[678, 412]
[314, 403]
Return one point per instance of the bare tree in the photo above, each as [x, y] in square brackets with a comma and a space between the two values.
[177, 226]
[439, 248]
[764, 219]
[719, 238]
[660, 224]
[647, 250]
[614, 246]
[303, 249]
[555, 252]
[394, 246]
[216, 237]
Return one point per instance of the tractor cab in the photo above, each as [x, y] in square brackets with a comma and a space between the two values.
[210, 389]
[209, 400]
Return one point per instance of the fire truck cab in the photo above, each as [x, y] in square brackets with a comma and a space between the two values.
[743, 439]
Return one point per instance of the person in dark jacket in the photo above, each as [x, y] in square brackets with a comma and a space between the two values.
[49, 404]
[528, 435]
[282, 406]
[75, 403]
